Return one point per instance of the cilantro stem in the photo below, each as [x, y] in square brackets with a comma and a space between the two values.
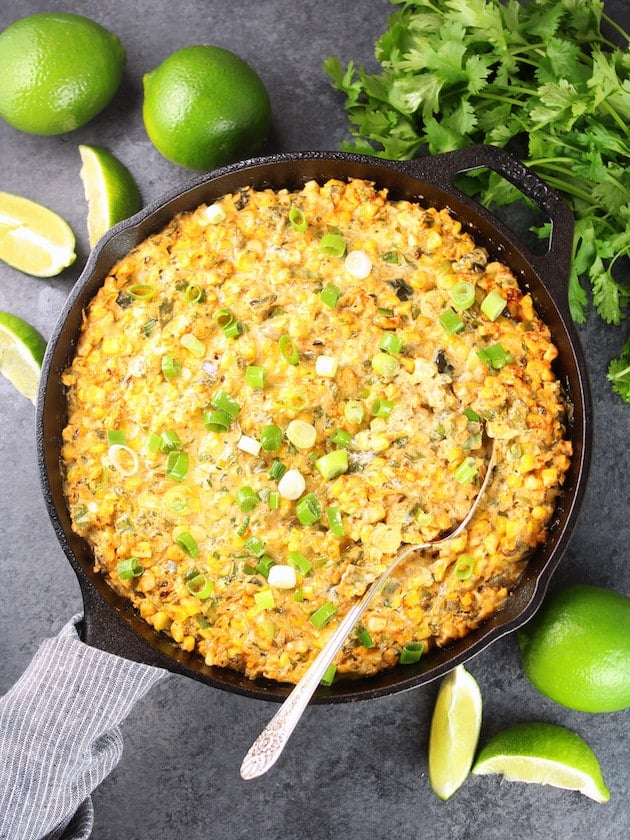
[614, 25]
[568, 187]
[622, 125]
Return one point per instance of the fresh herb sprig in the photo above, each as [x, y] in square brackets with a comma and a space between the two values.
[539, 78]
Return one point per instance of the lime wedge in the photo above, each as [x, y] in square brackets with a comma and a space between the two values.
[454, 733]
[110, 190]
[21, 352]
[544, 753]
[33, 238]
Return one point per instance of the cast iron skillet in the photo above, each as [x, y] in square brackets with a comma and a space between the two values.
[109, 621]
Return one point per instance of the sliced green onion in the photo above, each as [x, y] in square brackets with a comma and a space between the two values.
[335, 522]
[323, 614]
[333, 463]
[194, 294]
[177, 465]
[385, 365]
[242, 528]
[200, 586]
[129, 568]
[292, 485]
[217, 420]
[385, 310]
[214, 214]
[340, 437]
[391, 343]
[274, 500]
[255, 546]
[364, 637]
[382, 408]
[171, 367]
[391, 258]
[298, 595]
[193, 345]
[233, 330]
[255, 376]
[466, 471]
[297, 219]
[153, 442]
[354, 412]
[247, 499]
[333, 245]
[223, 318]
[326, 366]
[464, 567]
[288, 350]
[187, 544]
[301, 434]
[277, 470]
[123, 458]
[330, 295]
[329, 675]
[169, 440]
[264, 565]
[142, 291]
[271, 437]
[248, 444]
[495, 356]
[116, 436]
[472, 415]
[493, 305]
[451, 322]
[411, 653]
[358, 264]
[300, 562]
[462, 295]
[308, 510]
[224, 402]
[264, 600]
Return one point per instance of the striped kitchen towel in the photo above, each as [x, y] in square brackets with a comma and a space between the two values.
[60, 735]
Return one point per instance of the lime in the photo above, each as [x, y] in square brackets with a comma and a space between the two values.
[576, 649]
[33, 238]
[58, 70]
[546, 754]
[454, 732]
[110, 190]
[205, 107]
[21, 352]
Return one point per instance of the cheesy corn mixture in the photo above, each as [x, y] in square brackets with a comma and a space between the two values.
[276, 393]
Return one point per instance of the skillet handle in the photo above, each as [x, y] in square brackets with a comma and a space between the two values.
[441, 170]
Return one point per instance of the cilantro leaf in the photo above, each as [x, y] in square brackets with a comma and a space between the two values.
[619, 373]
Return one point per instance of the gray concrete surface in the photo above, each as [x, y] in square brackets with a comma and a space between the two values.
[353, 771]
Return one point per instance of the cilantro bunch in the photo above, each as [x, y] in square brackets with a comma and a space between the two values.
[537, 77]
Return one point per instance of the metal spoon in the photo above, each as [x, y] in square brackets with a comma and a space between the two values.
[266, 749]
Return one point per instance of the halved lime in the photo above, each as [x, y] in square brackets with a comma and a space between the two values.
[454, 733]
[546, 754]
[21, 352]
[33, 238]
[110, 189]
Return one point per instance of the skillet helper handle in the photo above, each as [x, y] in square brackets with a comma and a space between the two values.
[441, 171]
